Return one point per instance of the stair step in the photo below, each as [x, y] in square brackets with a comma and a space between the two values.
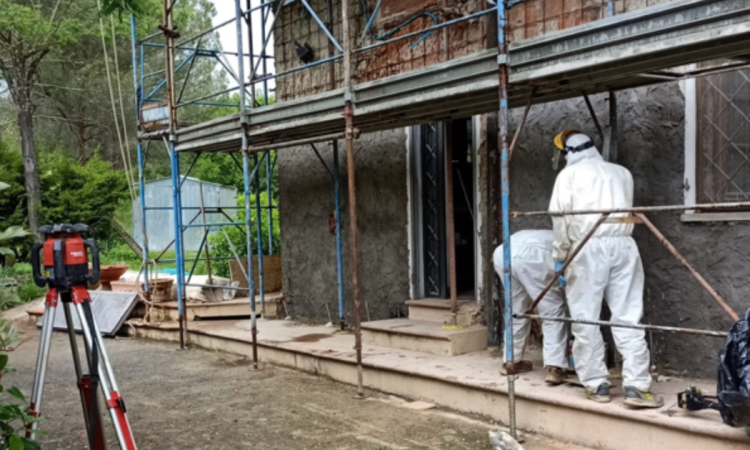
[439, 311]
[424, 336]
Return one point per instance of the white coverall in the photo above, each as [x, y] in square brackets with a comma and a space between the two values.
[532, 267]
[608, 266]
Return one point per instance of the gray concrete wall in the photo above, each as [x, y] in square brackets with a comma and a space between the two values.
[651, 145]
[309, 248]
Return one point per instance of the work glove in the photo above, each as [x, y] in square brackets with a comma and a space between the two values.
[561, 278]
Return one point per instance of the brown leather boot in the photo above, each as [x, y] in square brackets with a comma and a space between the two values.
[555, 375]
[517, 367]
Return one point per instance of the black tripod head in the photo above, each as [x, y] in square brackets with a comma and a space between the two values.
[65, 260]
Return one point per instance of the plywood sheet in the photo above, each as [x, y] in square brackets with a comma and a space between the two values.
[111, 309]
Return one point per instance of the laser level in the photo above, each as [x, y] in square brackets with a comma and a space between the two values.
[64, 269]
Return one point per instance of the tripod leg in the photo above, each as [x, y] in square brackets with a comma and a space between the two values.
[84, 383]
[119, 403]
[42, 358]
[112, 398]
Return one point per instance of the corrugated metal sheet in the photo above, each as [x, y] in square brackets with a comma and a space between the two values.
[160, 223]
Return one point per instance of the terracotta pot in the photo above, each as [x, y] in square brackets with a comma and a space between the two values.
[112, 272]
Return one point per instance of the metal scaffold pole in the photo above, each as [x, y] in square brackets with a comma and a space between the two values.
[349, 135]
[137, 95]
[502, 126]
[246, 182]
[269, 203]
[169, 35]
[339, 250]
[259, 236]
[249, 242]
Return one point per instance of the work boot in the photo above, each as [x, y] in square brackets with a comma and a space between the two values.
[517, 367]
[555, 375]
[642, 399]
[600, 394]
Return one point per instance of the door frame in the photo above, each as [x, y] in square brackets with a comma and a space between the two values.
[415, 225]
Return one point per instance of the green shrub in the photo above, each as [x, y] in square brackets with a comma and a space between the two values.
[19, 286]
[75, 193]
[15, 415]
[71, 193]
[218, 241]
[114, 251]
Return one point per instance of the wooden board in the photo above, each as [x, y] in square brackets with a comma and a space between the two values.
[110, 309]
[271, 273]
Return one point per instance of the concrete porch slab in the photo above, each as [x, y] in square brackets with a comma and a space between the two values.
[427, 337]
[471, 383]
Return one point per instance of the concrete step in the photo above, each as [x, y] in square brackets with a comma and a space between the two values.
[426, 337]
[439, 310]
[237, 307]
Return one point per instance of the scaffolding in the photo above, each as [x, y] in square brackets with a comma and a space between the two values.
[618, 52]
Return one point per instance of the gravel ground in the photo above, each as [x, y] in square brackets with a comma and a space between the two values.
[197, 399]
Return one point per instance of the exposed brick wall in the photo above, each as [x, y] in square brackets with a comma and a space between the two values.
[295, 23]
[536, 17]
[526, 20]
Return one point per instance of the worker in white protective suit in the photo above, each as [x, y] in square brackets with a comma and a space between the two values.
[607, 267]
[532, 267]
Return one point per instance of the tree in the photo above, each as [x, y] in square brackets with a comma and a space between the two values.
[28, 33]
[52, 61]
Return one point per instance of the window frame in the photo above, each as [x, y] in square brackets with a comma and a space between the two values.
[690, 183]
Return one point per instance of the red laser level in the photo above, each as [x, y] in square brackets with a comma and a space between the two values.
[64, 269]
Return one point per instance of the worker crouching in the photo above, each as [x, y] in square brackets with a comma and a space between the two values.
[531, 268]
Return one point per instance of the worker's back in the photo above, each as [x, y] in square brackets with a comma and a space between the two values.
[590, 183]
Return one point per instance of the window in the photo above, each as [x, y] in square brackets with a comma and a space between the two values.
[717, 134]
[723, 137]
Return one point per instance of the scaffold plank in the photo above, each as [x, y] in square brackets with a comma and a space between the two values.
[619, 52]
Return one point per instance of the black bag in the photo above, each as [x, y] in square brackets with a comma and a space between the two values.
[733, 386]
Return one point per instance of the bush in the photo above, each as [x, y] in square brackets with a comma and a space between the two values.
[220, 247]
[15, 415]
[75, 193]
[18, 286]
[114, 251]
[13, 198]
[71, 192]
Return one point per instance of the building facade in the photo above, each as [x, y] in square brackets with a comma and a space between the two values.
[685, 142]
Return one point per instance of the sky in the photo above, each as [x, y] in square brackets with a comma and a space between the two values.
[228, 35]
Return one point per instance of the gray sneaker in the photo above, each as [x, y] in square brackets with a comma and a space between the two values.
[642, 399]
[600, 394]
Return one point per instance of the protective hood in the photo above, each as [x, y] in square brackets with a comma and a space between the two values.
[589, 153]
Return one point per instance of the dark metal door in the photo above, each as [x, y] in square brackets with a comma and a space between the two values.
[432, 174]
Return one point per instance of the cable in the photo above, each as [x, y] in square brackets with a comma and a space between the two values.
[398, 28]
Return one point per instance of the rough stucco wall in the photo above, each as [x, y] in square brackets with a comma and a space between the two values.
[309, 248]
[651, 145]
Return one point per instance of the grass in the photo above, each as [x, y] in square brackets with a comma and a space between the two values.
[117, 252]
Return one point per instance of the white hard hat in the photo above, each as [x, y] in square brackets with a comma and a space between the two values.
[577, 140]
[572, 141]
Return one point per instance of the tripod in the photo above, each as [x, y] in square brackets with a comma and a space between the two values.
[66, 264]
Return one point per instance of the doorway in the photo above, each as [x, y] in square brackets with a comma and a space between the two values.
[428, 185]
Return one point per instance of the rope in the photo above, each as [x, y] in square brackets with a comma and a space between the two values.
[124, 149]
[126, 162]
[127, 157]
[126, 165]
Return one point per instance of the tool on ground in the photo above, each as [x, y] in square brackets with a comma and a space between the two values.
[733, 385]
[64, 269]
